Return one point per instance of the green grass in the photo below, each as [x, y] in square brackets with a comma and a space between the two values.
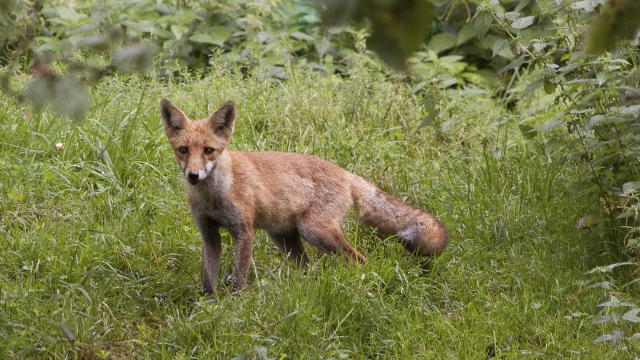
[98, 245]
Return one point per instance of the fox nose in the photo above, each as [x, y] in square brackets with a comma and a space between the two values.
[193, 176]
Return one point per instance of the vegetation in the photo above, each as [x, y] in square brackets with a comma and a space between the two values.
[101, 258]
[503, 125]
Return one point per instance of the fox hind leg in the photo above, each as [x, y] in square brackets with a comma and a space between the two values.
[329, 238]
[291, 244]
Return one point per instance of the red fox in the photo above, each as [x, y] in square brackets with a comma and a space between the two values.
[288, 195]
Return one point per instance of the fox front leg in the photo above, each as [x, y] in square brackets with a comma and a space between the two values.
[211, 252]
[243, 249]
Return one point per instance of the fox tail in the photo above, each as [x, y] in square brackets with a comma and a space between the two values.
[419, 231]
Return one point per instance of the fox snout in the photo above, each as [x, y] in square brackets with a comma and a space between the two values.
[193, 177]
[196, 174]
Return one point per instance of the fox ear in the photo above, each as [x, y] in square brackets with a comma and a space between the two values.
[223, 119]
[172, 117]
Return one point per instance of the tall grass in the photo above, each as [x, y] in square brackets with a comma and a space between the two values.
[101, 259]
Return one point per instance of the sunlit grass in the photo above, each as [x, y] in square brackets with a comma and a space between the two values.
[101, 259]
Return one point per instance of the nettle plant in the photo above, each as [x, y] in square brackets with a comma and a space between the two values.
[595, 127]
[85, 41]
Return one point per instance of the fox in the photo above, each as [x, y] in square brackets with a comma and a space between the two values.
[290, 196]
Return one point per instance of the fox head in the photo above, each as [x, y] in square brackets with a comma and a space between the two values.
[198, 145]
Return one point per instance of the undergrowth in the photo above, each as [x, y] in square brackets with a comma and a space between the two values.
[101, 259]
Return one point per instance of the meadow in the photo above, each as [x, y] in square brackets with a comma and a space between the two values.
[100, 258]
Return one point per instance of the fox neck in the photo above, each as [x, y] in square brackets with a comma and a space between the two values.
[218, 182]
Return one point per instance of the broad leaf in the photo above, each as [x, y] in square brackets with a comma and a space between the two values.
[498, 45]
[523, 22]
[215, 35]
[532, 86]
[441, 42]
[67, 332]
[301, 36]
[481, 24]
[632, 315]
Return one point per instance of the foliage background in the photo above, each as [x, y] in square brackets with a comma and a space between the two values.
[538, 125]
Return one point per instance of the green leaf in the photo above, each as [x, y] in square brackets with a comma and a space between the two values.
[603, 338]
[604, 284]
[498, 45]
[68, 13]
[277, 72]
[418, 87]
[532, 86]
[586, 5]
[521, 5]
[67, 332]
[609, 268]
[626, 214]
[466, 33]
[15, 195]
[430, 104]
[514, 64]
[54, 46]
[47, 175]
[602, 319]
[549, 87]
[178, 30]
[632, 315]
[481, 24]
[549, 125]
[162, 33]
[204, 38]
[215, 35]
[261, 353]
[527, 131]
[616, 316]
[301, 36]
[145, 26]
[425, 121]
[631, 186]
[441, 42]
[551, 146]
[523, 22]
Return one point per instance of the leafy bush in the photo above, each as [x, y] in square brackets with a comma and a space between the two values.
[595, 127]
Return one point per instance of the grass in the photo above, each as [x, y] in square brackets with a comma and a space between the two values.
[101, 259]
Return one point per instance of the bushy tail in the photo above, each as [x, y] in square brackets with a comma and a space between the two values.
[417, 230]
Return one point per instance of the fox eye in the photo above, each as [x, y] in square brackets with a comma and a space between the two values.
[208, 150]
[183, 150]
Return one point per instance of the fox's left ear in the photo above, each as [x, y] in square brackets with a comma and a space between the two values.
[223, 119]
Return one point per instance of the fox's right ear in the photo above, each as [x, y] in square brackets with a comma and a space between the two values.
[173, 118]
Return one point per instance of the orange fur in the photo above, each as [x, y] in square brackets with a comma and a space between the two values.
[291, 196]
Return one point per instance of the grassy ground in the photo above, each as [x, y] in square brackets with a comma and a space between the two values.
[101, 259]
